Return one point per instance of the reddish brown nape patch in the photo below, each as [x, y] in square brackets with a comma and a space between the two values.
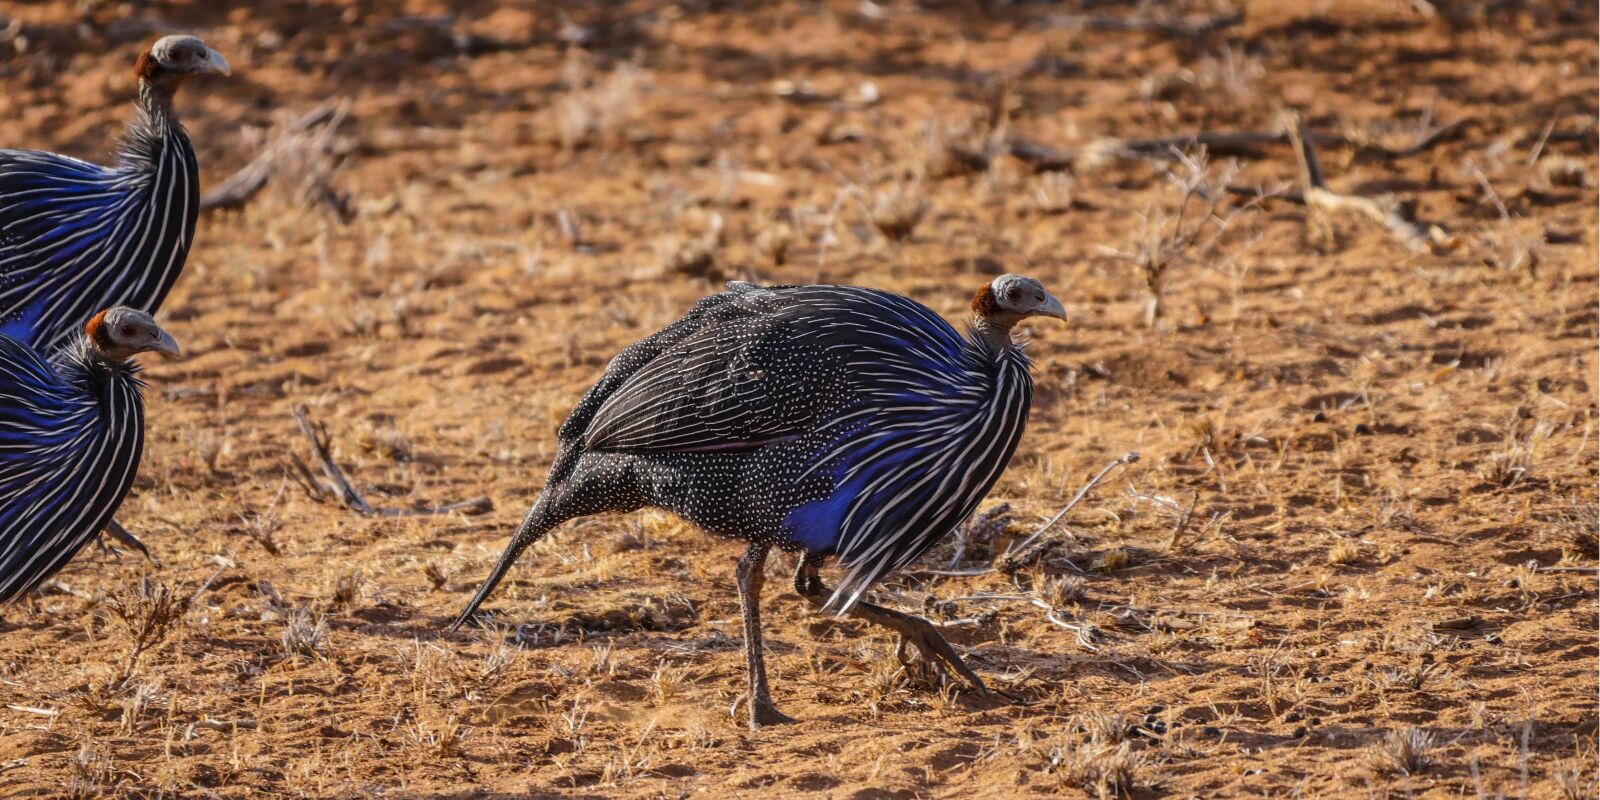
[146, 67]
[96, 330]
[983, 303]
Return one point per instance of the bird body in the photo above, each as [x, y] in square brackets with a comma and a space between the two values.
[834, 421]
[77, 237]
[71, 436]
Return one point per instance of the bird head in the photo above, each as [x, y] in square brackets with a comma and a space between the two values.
[173, 58]
[1009, 299]
[119, 333]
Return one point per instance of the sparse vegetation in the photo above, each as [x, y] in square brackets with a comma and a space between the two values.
[147, 613]
[304, 636]
[897, 209]
[1358, 557]
[1404, 751]
[597, 105]
[1191, 221]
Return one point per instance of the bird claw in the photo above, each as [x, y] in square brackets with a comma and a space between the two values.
[936, 654]
[115, 530]
[762, 712]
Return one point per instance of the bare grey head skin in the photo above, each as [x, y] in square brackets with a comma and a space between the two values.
[1007, 300]
[119, 333]
[171, 61]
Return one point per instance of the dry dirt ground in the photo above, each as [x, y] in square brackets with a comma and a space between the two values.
[1357, 557]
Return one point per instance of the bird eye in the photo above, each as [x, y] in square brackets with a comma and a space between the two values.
[128, 331]
[1012, 294]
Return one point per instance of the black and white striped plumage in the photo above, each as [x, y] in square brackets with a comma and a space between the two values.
[833, 420]
[77, 237]
[842, 421]
[71, 434]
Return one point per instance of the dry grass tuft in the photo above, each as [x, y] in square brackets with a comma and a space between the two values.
[1052, 193]
[1061, 590]
[498, 661]
[136, 700]
[304, 636]
[693, 249]
[667, 683]
[90, 773]
[205, 443]
[443, 739]
[596, 108]
[1559, 170]
[1575, 780]
[1115, 559]
[346, 591]
[1519, 455]
[147, 613]
[1578, 530]
[695, 257]
[1103, 770]
[262, 528]
[382, 438]
[774, 242]
[1403, 751]
[897, 210]
[1344, 551]
[438, 577]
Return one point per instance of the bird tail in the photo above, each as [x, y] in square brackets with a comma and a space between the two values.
[534, 527]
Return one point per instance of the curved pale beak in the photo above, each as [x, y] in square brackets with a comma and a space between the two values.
[1051, 307]
[167, 346]
[214, 64]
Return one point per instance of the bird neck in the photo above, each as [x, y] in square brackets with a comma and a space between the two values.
[92, 369]
[156, 121]
[993, 334]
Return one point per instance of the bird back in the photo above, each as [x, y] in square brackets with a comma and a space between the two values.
[910, 421]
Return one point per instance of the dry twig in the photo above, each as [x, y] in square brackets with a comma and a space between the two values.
[1398, 217]
[1019, 556]
[337, 485]
[1185, 225]
[307, 149]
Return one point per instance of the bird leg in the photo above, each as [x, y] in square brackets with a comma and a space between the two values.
[914, 631]
[115, 530]
[752, 574]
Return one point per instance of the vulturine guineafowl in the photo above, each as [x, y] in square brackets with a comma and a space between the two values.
[71, 434]
[826, 420]
[77, 237]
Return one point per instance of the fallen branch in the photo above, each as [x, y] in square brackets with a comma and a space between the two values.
[306, 146]
[1427, 141]
[1398, 217]
[339, 486]
[1019, 556]
[1044, 158]
[1191, 27]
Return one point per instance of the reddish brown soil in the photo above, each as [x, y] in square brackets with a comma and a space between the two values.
[1391, 455]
